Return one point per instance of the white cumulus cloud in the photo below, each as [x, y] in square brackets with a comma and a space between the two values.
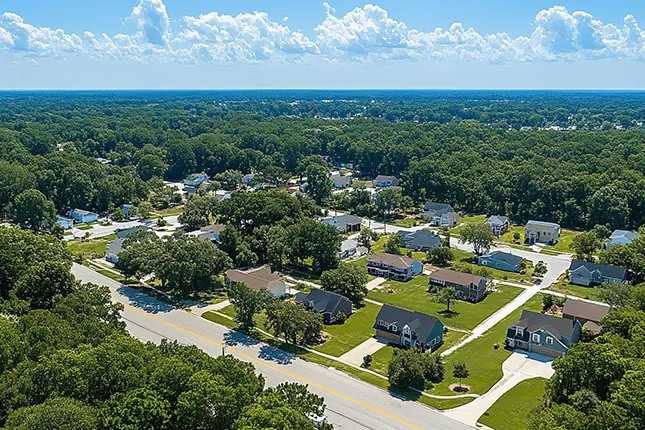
[152, 20]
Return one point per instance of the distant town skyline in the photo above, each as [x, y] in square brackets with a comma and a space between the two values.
[173, 44]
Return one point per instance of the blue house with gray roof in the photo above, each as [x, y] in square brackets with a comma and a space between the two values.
[586, 273]
[502, 261]
[81, 215]
[621, 237]
[543, 334]
[420, 240]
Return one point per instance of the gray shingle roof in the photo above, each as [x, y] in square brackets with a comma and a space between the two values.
[606, 270]
[419, 238]
[419, 323]
[438, 208]
[506, 257]
[534, 321]
[323, 301]
[341, 221]
[116, 246]
[497, 220]
[533, 223]
[630, 235]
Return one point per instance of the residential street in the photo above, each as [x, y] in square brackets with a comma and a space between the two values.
[98, 230]
[352, 404]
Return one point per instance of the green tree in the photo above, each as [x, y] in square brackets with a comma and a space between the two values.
[393, 244]
[150, 166]
[137, 409]
[516, 237]
[247, 303]
[602, 231]
[584, 245]
[480, 236]
[540, 269]
[145, 210]
[118, 215]
[348, 280]
[54, 414]
[406, 369]
[33, 208]
[199, 211]
[446, 296]
[366, 237]
[460, 371]
[439, 255]
[229, 179]
[245, 256]
[616, 294]
[319, 184]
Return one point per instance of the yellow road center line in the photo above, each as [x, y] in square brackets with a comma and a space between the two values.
[286, 372]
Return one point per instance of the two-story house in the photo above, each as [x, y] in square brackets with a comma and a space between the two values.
[543, 334]
[586, 273]
[196, 179]
[386, 181]
[258, 278]
[468, 287]
[327, 303]
[499, 224]
[541, 232]
[440, 214]
[407, 328]
[419, 240]
[502, 261]
[587, 314]
[345, 223]
[390, 266]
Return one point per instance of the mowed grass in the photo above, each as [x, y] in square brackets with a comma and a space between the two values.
[86, 248]
[356, 330]
[564, 241]
[565, 287]
[513, 409]
[483, 361]
[414, 295]
[508, 236]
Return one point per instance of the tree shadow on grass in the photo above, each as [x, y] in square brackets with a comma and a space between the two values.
[234, 338]
[448, 314]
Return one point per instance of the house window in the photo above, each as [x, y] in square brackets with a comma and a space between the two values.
[394, 328]
[381, 323]
[519, 331]
[549, 340]
[536, 338]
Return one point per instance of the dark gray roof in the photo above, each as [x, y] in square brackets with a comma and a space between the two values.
[124, 232]
[629, 235]
[341, 221]
[506, 257]
[533, 223]
[605, 269]
[497, 220]
[438, 208]
[419, 323]
[534, 321]
[323, 301]
[385, 178]
[419, 238]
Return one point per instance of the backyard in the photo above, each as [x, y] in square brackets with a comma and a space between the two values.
[414, 295]
[512, 410]
[82, 248]
[565, 287]
[356, 330]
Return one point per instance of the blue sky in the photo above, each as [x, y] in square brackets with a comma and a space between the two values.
[312, 44]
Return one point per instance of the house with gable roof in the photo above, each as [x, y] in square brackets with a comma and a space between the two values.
[499, 224]
[440, 214]
[390, 266]
[543, 334]
[586, 273]
[327, 303]
[621, 237]
[407, 328]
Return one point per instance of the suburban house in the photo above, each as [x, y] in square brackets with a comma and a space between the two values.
[221, 195]
[621, 237]
[407, 328]
[114, 248]
[586, 273]
[499, 224]
[468, 287]
[248, 179]
[258, 278]
[587, 314]
[81, 215]
[420, 240]
[390, 266]
[341, 181]
[125, 208]
[209, 233]
[65, 222]
[196, 179]
[328, 304]
[349, 248]
[386, 181]
[502, 261]
[541, 232]
[440, 214]
[344, 223]
[124, 232]
[543, 334]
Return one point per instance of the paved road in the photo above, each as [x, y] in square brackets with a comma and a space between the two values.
[352, 404]
[98, 230]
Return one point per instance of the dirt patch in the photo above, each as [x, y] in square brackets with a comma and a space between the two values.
[459, 389]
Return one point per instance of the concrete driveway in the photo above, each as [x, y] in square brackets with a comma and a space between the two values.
[370, 346]
[517, 368]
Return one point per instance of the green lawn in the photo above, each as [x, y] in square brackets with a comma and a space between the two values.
[482, 360]
[86, 248]
[85, 227]
[512, 410]
[565, 287]
[472, 219]
[260, 319]
[508, 236]
[171, 211]
[501, 275]
[414, 295]
[357, 329]
[564, 241]
[301, 274]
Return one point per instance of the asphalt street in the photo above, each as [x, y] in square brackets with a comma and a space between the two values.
[351, 404]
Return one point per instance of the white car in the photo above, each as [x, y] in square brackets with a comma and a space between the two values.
[317, 420]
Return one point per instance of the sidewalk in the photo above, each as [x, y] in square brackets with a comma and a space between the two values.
[374, 283]
[202, 309]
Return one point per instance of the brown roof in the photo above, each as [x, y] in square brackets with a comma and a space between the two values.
[214, 228]
[592, 326]
[399, 261]
[258, 278]
[585, 310]
[455, 277]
